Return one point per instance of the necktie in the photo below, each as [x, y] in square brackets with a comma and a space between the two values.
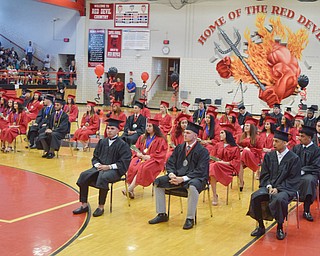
[188, 148]
[135, 117]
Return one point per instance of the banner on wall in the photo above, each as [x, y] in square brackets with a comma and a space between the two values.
[114, 43]
[136, 39]
[96, 47]
[101, 11]
[132, 15]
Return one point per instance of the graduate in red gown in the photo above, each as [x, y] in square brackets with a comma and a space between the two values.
[17, 124]
[3, 103]
[227, 153]
[71, 108]
[184, 110]
[233, 119]
[8, 108]
[34, 106]
[164, 117]
[116, 113]
[146, 164]
[266, 135]
[264, 114]
[298, 122]
[287, 126]
[90, 124]
[145, 111]
[228, 109]
[251, 150]
[210, 135]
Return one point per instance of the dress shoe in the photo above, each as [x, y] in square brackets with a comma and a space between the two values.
[188, 224]
[33, 146]
[45, 155]
[50, 156]
[161, 217]
[280, 234]
[98, 212]
[80, 210]
[307, 216]
[259, 231]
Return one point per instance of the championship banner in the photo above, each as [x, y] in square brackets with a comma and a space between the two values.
[114, 43]
[101, 11]
[132, 15]
[96, 47]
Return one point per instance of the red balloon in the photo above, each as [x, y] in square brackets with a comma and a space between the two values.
[144, 76]
[99, 70]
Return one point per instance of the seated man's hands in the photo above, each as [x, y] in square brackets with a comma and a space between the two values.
[174, 180]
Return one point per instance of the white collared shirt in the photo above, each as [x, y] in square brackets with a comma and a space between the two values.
[281, 155]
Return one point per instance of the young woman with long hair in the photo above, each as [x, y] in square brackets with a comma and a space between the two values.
[164, 117]
[263, 115]
[7, 109]
[209, 136]
[116, 113]
[90, 124]
[71, 108]
[34, 106]
[227, 163]
[287, 126]
[148, 162]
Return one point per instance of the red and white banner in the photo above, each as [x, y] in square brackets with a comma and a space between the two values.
[114, 43]
[101, 11]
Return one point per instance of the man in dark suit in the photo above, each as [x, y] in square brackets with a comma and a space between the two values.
[187, 167]
[243, 113]
[279, 182]
[277, 113]
[111, 159]
[56, 130]
[309, 155]
[135, 125]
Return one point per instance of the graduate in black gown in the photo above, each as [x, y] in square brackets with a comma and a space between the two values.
[277, 114]
[279, 182]
[42, 120]
[243, 113]
[187, 167]
[57, 128]
[200, 113]
[111, 159]
[135, 125]
[316, 136]
[309, 155]
[310, 119]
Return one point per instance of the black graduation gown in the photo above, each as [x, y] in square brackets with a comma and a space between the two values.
[278, 117]
[310, 165]
[241, 118]
[197, 168]
[197, 116]
[285, 177]
[310, 121]
[59, 131]
[118, 153]
[42, 118]
[139, 126]
[316, 140]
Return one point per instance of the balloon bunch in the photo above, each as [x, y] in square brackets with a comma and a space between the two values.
[112, 73]
[303, 82]
[99, 70]
[144, 77]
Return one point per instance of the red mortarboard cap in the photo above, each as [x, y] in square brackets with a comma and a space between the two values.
[281, 135]
[18, 100]
[265, 110]
[231, 106]
[164, 103]
[37, 92]
[288, 116]
[194, 127]
[3, 90]
[117, 103]
[181, 117]
[143, 100]
[212, 113]
[71, 96]
[185, 104]
[91, 103]
[211, 108]
[299, 117]
[113, 122]
[153, 121]
[270, 119]
[227, 126]
[251, 120]
[233, 113]
[5, 97]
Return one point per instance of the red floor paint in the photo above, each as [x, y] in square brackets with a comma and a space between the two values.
[303, 241]
[25, 193]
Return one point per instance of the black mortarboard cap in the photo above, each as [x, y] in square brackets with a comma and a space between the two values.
[139, 104]
[61, 101]
[308, 130]
[27, 90]
[49, 97]
[114, 122]
[241, 106]
[193, 127]
[281, 135]
[288, 108]
[312, 108]
[277, 105]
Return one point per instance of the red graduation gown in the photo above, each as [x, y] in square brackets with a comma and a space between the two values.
[203, 135]
[92, 128]
[147, 171]
[223, 172]
[252, 157]
[10, 133]
[165, 123]
[33, 108]
[72, 110]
